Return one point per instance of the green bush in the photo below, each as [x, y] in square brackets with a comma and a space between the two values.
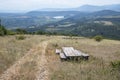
[98, 38]
[40, 32]
[21, 31]
[55, 45]
[20, 37]
[115, 64]
[9, 32]
[3, 31]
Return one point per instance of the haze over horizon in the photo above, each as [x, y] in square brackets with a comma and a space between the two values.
[29, 5]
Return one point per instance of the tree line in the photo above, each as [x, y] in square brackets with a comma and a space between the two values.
[4, 31]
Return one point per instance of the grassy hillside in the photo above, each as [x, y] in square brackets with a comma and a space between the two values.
[12, 49]
[98, 67]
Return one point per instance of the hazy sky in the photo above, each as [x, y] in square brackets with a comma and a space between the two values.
[23, 5]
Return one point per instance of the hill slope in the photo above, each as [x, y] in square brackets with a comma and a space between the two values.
[40, 62]
[104, 23]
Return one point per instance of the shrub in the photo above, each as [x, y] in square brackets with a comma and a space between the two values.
[20, 37]
[3, 31]
[55, 45]
[98, 38]
[40, 32]
[21, 31]
[9, 32]
[116, 64]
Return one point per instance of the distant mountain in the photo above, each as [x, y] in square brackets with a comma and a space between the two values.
[57, 9]
[86, 8]
[99, 14]
[10, 14]
[34, 18]
[52, 13]
[91, 8]
[39, 18]
[106, 13]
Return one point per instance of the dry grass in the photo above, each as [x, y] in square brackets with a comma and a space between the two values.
[26, 72]
[97, 68]
[28, 68]
[12, 49]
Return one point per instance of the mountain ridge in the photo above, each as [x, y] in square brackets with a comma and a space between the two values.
[86, 8]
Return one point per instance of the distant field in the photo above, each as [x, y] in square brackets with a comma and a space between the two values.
[98, 67]
[108, 23]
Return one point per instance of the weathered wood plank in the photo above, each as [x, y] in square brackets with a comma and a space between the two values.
[62, 56]
[85, 55]
[81, 53]
[58, 51]
[68, 51]
[78, 53]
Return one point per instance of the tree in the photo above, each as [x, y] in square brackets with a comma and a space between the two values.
[3, 31]
[21, 31]
[98, 38]
[0, 22]
[40, 32]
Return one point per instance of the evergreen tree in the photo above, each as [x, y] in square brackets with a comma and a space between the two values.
[3, 31]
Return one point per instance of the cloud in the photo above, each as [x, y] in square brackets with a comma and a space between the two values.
[37, 4]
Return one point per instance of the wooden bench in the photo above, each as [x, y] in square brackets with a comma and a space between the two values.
[62, 56]
[71, 53]
[58, 51]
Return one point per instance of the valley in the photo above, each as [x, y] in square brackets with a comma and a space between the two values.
[60, 40]
[87, 24]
